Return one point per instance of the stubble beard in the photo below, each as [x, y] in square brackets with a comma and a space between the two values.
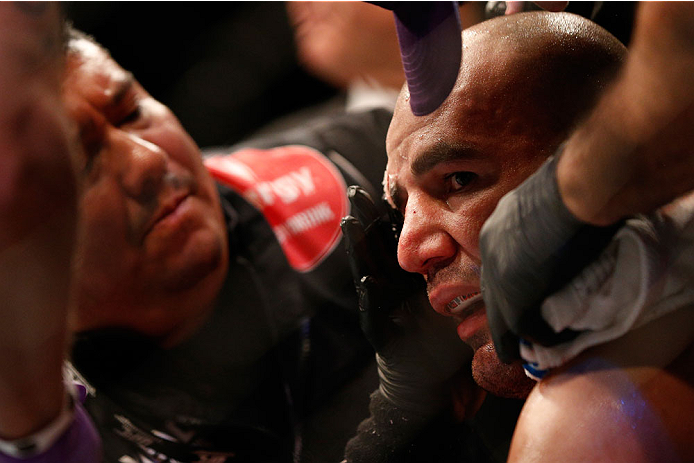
[496, 377]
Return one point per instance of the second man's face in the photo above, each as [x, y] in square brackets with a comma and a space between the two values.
[152, 236]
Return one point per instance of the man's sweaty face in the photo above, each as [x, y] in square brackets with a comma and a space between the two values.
[152, 245]
[446, 172]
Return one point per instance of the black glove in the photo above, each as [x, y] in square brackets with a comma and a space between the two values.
[531, 246]
[417, 350]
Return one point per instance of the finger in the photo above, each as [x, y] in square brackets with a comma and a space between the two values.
[397, 220]
[379, 235]
[374, 311]
[359, 255]
[363, 207]
[514, 7]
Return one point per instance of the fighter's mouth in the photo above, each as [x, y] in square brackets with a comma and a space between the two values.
[462, 302]
[166, 210]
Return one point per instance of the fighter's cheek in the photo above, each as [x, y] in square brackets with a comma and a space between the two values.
[465, 232]
[101, 270]
[162, 129]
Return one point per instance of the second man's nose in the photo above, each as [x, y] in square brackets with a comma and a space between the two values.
[143, 166]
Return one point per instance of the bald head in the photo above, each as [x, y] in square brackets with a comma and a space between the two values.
[524, 82]
[546, 66]
[555, 63]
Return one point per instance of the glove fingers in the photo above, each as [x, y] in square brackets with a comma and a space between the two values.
[373, 313]
[363, 207]
[379, 236]
[381, 284]
[358, 254]
[370, 255]
[397, 220]
[505, 341]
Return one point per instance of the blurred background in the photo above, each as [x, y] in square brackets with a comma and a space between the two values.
[224, 68]
[229, 69]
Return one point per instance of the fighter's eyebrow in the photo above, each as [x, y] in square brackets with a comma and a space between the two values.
[442, 152]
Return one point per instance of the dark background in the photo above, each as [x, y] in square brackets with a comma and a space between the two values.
[227, 69]
[224, 68]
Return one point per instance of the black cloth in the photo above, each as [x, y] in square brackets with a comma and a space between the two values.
[394, 435]
[279, 345]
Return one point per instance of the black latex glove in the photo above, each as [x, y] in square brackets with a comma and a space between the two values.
[418, 350]
[531, 247]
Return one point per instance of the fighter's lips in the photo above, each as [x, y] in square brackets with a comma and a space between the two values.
[469, 310]
[166, 210]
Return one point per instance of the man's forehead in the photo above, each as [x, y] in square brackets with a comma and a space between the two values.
[402, 141]
[403, 155]
[95, 74]
[403, 128]
[89, 57]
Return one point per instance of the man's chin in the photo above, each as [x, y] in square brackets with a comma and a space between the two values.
[498, 378]
[201, 257]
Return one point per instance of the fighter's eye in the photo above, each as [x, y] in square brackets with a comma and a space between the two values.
[459, 180]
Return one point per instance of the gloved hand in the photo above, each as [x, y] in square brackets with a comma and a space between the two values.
[417, 350]
[531, 246]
